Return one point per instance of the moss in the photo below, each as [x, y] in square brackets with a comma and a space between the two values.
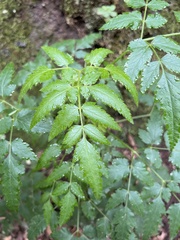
[14, 32]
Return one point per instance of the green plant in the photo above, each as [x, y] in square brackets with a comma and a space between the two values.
[89, 181]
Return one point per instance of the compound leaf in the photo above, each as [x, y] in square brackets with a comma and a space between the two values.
[118, 169]
[172, 62]
[64, 119]
[94, 134]
[109, 97]
[141, 54]
[89, 163]
[60, 58]
[53, 151]
[5, 78]
[68, 203]
[72, 136]
[130, 20]
[166, 44]
[23, 119]
[149, 75]
[49, 103]
[119, 75]
[97, 114]
[41, 74]
[168, 93]
[97, 56]
[22, 150]
[174, 223]
[157, 5]
[155, 21]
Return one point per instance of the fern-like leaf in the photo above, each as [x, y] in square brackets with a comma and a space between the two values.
[172, 62]
[149, 75]
[64, 119]
[109, 97]
[155, 21]
[53, 151]
[168, 94]
[89, 163]
[97, 114]
[60, 58]
[141, 54]
[97, 56]
[174, 215]
[41, 74]
[72, 136]
[166, 44]
[157, 5]
[94, 134]
[6, 74]
[68, 203]
[119, 75]
[130, 20]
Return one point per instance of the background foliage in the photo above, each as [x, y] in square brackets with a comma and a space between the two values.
[82, 172]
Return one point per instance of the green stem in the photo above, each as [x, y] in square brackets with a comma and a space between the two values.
[79, 103]
[78, 216]
[135, 117]
[10, 105]
[99, 210]
[164, 35]
[144, 19]
[129, 184]
[120, 56]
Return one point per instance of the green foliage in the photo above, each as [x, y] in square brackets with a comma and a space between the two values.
[86, 181]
